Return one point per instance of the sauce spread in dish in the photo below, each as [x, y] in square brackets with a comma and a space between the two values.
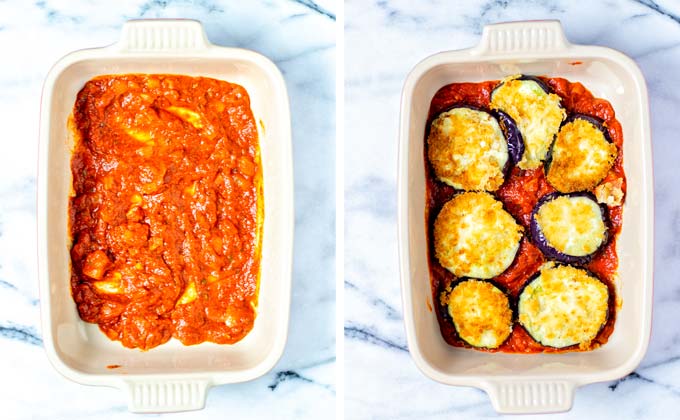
[519, 194]
[165, 213]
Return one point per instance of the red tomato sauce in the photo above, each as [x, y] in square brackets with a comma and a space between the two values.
[520, 192]
[165, 212]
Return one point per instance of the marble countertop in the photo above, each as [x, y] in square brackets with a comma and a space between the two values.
[388, 38]
[33, 36]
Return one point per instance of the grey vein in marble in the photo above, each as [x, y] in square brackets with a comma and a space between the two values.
[313, 6]
[22, 333]
[365, 334]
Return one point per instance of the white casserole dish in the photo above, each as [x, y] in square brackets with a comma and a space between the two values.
[171, 377]
[537, 383]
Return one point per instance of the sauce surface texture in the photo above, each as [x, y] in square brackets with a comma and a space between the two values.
[520, 192]
[165, 209]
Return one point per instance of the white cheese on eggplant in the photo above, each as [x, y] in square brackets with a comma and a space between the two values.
[581, 157]
[563, 306]
[474, 236]
[468, 150]
[480, 312]
[572, 225]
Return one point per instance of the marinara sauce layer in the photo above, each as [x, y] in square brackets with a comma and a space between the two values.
[164, 213]
[519, 194]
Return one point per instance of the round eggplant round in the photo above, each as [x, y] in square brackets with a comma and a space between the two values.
[468, 150]
[480, 312]
[581, 155]
[563, 306]
[512, 135]
[570, 228]
[536, 111]
[474, 236]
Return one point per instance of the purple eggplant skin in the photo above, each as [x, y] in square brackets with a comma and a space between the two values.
[512, 135]
[542, 243]
[599, 124]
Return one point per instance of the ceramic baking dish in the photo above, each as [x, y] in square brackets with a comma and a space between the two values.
[538, 382]
[171, 377]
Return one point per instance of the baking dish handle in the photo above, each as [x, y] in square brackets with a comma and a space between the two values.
[522, 37]
[531, 397]
[160, 35]
[163, 396]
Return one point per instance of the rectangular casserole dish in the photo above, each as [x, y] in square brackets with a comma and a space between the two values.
[171, 377]
[533, 383]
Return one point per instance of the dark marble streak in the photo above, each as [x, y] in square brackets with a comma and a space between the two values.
[651, 4]
[292, 374]
[391, 312]
[20, 333]
[636, 376]
[632, 375]
[7, 285]
[311, 5]
[288, 375]
[364, 334]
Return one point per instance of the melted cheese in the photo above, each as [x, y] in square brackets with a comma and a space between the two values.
[140, 135]
[572, 225]
[475, 237]
[581, 157]
[538, 116]
[192, 117]
[190, 294]
[468, 150]
[480, 312]
[563, 306]
[112, 285]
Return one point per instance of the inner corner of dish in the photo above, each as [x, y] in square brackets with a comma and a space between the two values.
[525, 193]
[166, 209]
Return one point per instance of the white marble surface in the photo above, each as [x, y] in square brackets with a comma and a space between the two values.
[384, 40]
[300, 37]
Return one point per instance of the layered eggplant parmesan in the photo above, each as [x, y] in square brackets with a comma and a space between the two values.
[525, 191]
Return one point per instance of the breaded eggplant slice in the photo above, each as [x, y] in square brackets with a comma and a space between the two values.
[581, 155]
[537, 112]
[480, 312]
[468, 150]
[563, 306]
[569, 228]
[474, 236]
